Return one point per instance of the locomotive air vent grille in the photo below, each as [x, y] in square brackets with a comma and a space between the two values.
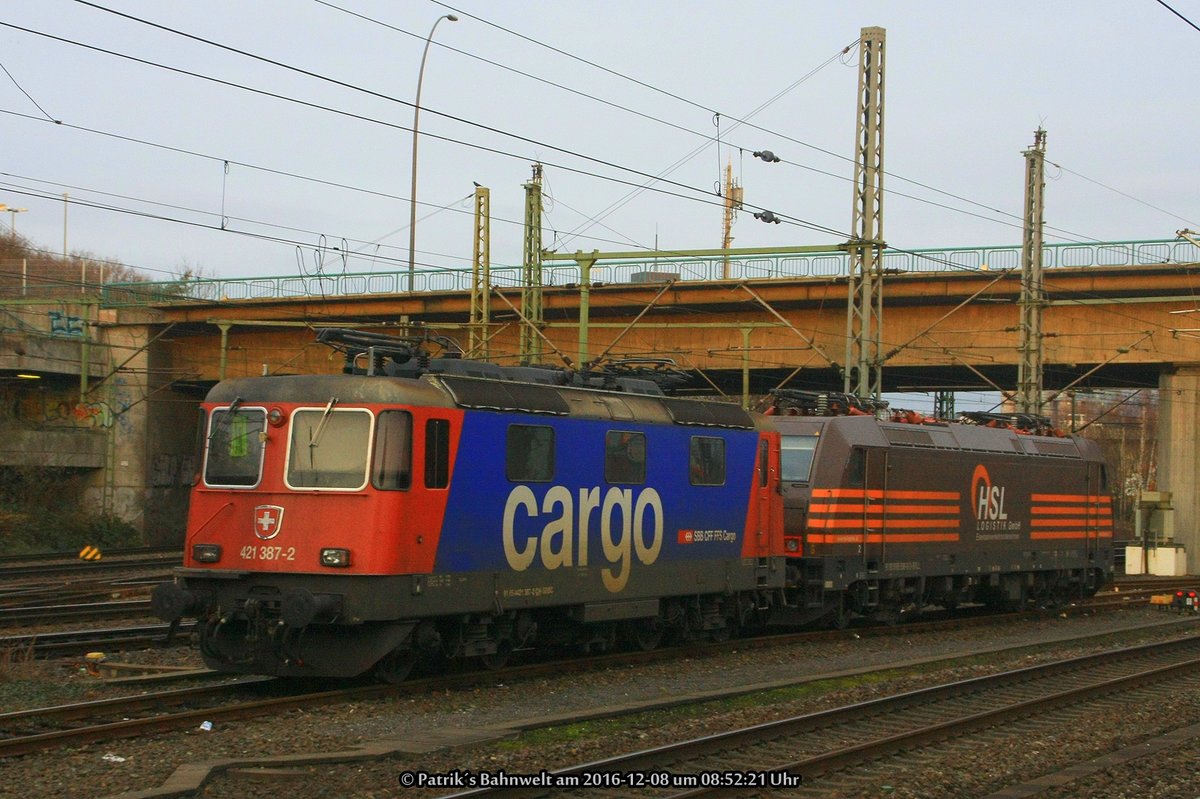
[1060, 448]
[908, 435]
[709, 414]
[506, 396]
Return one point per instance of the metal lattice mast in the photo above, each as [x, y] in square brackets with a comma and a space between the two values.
[531, 272]
[1033, 298]
[481, 277]
[864, 307]
[733, 203]
[943, 404]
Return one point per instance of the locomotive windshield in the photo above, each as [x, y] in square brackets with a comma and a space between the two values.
[329, 448]
[235, 448]
[797, 457]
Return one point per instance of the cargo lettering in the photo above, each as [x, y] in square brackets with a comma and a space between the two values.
[566, 529]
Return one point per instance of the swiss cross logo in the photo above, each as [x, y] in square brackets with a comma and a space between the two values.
[686, 536]
[268, 519]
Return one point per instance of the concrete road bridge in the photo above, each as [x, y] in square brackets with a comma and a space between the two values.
[1115, 315]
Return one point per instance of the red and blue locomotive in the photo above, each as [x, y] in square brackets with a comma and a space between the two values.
[418, 509]
[345, 522]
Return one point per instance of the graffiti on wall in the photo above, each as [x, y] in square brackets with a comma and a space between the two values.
[172, 470]
[120, 400]
[56, 409]
[63, 325]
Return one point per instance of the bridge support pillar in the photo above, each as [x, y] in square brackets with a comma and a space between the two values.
[1179, 454]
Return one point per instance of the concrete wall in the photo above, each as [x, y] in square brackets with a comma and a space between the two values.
[171, 442]
[132, 435]
[153, 431]
[70, 449]
[1178, 456]
[44, 420]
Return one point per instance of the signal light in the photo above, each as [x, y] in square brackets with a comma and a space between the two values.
[337, 558]
[206, 553]
[1186, 600]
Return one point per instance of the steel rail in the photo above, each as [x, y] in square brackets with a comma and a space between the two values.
[668, 758]
[124, 705]
[87, 567]
[67, 556]
[136, 727]
[78, 641]
[92, 610]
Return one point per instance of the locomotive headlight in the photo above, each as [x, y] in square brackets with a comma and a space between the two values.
[338, 558]
[206, 553]
[792, 544]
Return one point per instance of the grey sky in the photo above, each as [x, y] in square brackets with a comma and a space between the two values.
[967, 84]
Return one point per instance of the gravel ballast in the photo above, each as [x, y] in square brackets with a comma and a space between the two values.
[143, 765]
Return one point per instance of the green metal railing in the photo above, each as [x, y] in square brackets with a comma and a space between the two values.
[831, 264]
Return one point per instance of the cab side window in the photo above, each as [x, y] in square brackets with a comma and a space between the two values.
[391, 468]
[624, 457]
[856, 468]
[529, 456]
[437, 453]
[706, 464]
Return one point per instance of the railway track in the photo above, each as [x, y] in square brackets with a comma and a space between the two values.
[75, 642]
[48, 594]
[89, 567]
[42, 614]
[165, 711]
[25, 559]
[298, 697]
[54, 644]
[70, 725]
[789, 757]
[1127, 584]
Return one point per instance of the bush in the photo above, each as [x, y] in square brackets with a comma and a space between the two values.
[39, 512]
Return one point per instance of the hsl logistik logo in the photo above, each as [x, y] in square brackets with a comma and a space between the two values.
[990, 515]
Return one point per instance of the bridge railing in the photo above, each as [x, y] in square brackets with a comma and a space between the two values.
[831, 264]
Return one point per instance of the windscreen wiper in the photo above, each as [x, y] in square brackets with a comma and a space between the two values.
[315, 440]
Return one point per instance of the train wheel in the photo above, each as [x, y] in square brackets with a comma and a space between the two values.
[498, 659]
[396, 666]
[645, 634]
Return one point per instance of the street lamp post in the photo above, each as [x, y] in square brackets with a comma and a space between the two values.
[412, 219]
[12, 217]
